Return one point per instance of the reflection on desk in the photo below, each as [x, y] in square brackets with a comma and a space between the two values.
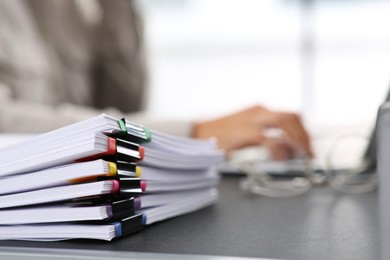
[322, 224]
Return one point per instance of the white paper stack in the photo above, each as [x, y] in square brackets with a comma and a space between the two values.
[102, 178]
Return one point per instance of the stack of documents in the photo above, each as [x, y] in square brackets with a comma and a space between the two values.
[102, 178]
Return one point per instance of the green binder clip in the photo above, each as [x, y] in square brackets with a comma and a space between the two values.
[136, 133]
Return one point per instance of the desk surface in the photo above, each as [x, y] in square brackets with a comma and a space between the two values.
[322, 224]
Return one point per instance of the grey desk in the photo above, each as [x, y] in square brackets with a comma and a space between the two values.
[322, 224]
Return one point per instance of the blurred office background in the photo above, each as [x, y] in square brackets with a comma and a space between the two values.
[326, 59]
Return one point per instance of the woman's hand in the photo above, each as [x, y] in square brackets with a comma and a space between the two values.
[249, 127]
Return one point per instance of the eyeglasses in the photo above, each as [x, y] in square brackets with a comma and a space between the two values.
[342, 172]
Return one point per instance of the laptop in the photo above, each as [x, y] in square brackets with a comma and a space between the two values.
[293, 168]
[383, 133]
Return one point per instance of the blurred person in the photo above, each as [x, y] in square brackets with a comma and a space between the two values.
[62, 61]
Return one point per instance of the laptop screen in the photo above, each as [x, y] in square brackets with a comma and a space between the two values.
[370, 154]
